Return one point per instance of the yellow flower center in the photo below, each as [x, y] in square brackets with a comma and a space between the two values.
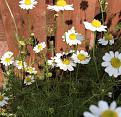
[28, 79]
[115, 62]
[73, 36]
[28, 2]
[1, 98]
[20, 63]
[61, 3]
[108, 37]
[66, 61]
[7, 60]
[30, 69]
[96, 23]
[81, 57]
[109, 113]
[40, 47]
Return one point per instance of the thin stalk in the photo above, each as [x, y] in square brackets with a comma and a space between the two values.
[101, 8]
[28, 21]
[77, 71]
[12, 16]
[94, 57]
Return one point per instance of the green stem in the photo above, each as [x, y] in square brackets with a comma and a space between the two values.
[77, 71]
[12, 16]
[102, 11]
[94, 57]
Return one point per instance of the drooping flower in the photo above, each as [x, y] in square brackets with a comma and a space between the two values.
[29, 80]
[64, 62]
[104, 110]
[72, 37]
[7, 59]
[112, 63]
[27, 4]
[51, 62]
[19, 64]
[81, 57]
[3, 100]
[31, 70]
[107, 39]
[95, 25]
[39, 47]
[61, 5]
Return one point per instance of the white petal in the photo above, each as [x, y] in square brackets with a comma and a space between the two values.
[116, 54]
[104, 64]
[95, 110]
[112, 54]
[120, 70]
[102, 28]
[88, 114]
[70, 68]
[107, 57]
[103, 106]
[111, 42]
[118, 110]
[113, 105]
[119, 56]
[89, 26]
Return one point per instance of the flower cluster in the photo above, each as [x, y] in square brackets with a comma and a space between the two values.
[8, 60]
[67, 61]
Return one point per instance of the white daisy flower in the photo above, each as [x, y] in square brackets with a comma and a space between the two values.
[31, 70]
[61, 5]
[29, 80]
[81, 57]
[19, 64]
[72, 37]
[64, 62]
[39, 47]
[3, 100]
[108, 38]
[104, 110]
[95, 25]
[8, 54]
[27, 4]
[112, 62]
[7, 59]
